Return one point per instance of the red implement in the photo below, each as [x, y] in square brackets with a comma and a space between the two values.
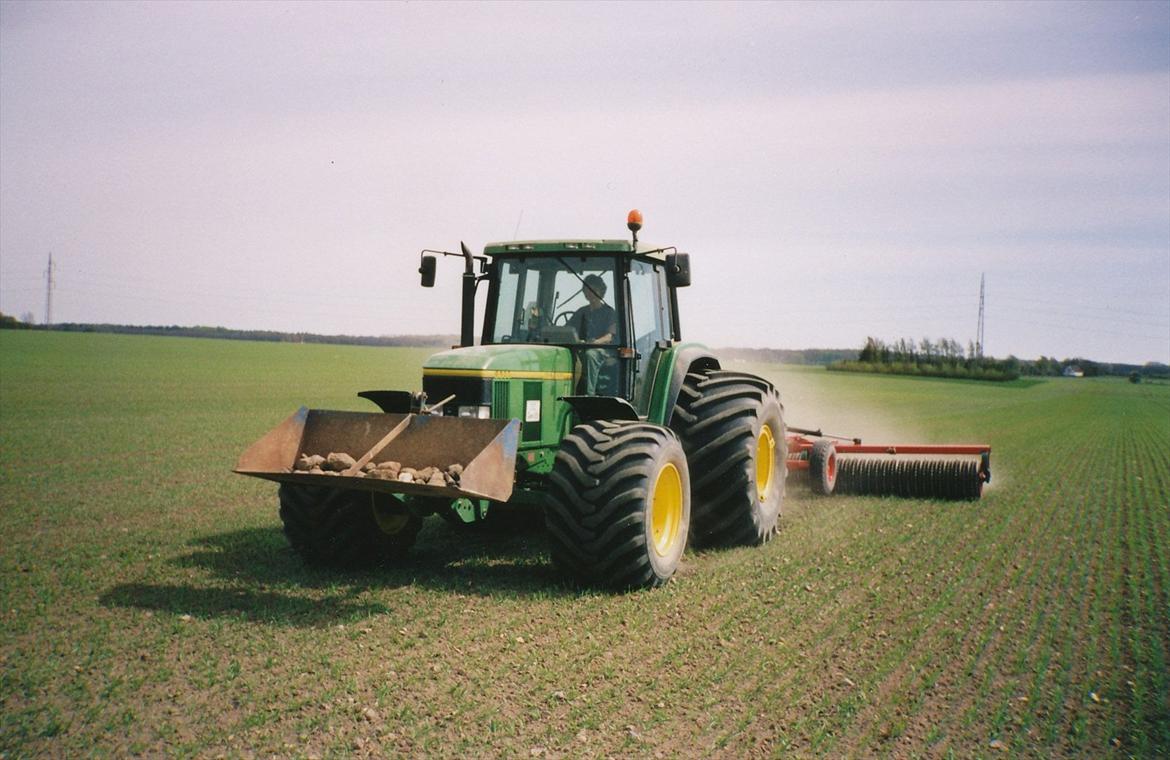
[837, 464]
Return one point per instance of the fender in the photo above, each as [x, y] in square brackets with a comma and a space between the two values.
[392, 402]
[669, 374]
[600, 408]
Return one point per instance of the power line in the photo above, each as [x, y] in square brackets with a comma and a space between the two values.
[1072, 328]
[1080, 307]
[1095, 319]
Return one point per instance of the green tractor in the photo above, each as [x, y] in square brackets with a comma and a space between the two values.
[581, 402]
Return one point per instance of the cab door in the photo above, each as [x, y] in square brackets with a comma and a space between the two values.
[649, 309]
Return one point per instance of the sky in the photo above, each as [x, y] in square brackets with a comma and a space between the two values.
[835, 170]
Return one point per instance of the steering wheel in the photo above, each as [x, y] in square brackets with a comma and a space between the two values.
[566, 315]
[535, 323]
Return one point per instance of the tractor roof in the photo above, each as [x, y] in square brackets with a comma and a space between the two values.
[572, 247]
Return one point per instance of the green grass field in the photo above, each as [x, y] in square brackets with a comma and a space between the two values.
[149, 603]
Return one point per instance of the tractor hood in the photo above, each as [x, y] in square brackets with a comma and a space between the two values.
[507, 361]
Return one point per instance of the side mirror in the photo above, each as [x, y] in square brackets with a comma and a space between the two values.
[678, 270]
[426, 268]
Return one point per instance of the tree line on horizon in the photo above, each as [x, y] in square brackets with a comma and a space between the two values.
[942, 358]
[201, 331]
[946, 357]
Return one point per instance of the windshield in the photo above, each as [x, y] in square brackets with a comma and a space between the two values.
[555, 299]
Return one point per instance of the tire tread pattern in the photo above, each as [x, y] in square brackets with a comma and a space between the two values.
[595, 511]
[336, 528]
[716, 417]
[819, 479]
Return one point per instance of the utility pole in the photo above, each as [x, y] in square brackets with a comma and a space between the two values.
[979, 332]
[49, 292]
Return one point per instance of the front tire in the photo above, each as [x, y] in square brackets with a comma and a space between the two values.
[732, 428]
[341, 528]
[619, 507]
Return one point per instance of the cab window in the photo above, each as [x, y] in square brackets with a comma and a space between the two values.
[650, 314]
[537, 297]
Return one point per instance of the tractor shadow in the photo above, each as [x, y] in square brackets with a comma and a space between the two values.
[255, 576]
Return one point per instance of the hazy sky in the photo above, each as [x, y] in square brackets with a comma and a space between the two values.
[835, 170]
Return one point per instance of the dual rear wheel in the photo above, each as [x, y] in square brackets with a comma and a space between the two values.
[732, 427]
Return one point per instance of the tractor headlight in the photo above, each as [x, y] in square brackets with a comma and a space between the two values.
[481, 411]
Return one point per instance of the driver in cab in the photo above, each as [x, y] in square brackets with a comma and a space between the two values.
[596, 324]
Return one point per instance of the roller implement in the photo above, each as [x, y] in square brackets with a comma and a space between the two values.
[842, 465]
[579, 402]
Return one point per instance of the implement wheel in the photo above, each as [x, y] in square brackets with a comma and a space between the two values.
[341, 528]
[732, 428]
[619, 507]
[822, 468]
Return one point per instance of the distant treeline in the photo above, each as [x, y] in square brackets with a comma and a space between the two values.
[985, 370]
[815, 356]
[946, 358]
[1051, 366]
[224, 333]
[12, 323]
[942, 358]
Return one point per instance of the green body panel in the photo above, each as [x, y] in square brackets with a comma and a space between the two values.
[526, 381]
[517, 357]
[655, 400]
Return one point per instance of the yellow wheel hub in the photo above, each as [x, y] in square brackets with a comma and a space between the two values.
[666, 510]
[765, 462]
[390, 521]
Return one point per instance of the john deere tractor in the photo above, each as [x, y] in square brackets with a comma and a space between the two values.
[580, 402]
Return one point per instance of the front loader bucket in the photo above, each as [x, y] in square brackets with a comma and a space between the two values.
[485, 449]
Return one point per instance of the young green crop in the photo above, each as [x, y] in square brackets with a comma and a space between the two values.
[149, 604]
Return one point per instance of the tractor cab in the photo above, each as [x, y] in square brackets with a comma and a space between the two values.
[610, 306]
[610, 303]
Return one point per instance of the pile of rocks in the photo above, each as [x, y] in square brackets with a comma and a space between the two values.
[337, 463]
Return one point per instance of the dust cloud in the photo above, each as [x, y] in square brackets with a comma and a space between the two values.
[809, 402]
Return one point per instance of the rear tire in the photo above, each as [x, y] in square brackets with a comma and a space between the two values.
[341, 528]
[619, 505]
[732, 428]
[822, 468]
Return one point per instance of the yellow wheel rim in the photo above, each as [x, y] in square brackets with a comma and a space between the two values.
[765, 462]
[666, 508]
[390, 521]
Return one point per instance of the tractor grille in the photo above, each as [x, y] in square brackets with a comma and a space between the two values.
[467, 390]
[500, 399]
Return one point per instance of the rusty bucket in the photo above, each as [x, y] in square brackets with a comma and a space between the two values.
[485, 449]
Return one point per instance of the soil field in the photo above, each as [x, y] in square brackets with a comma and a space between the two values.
[149, 604]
